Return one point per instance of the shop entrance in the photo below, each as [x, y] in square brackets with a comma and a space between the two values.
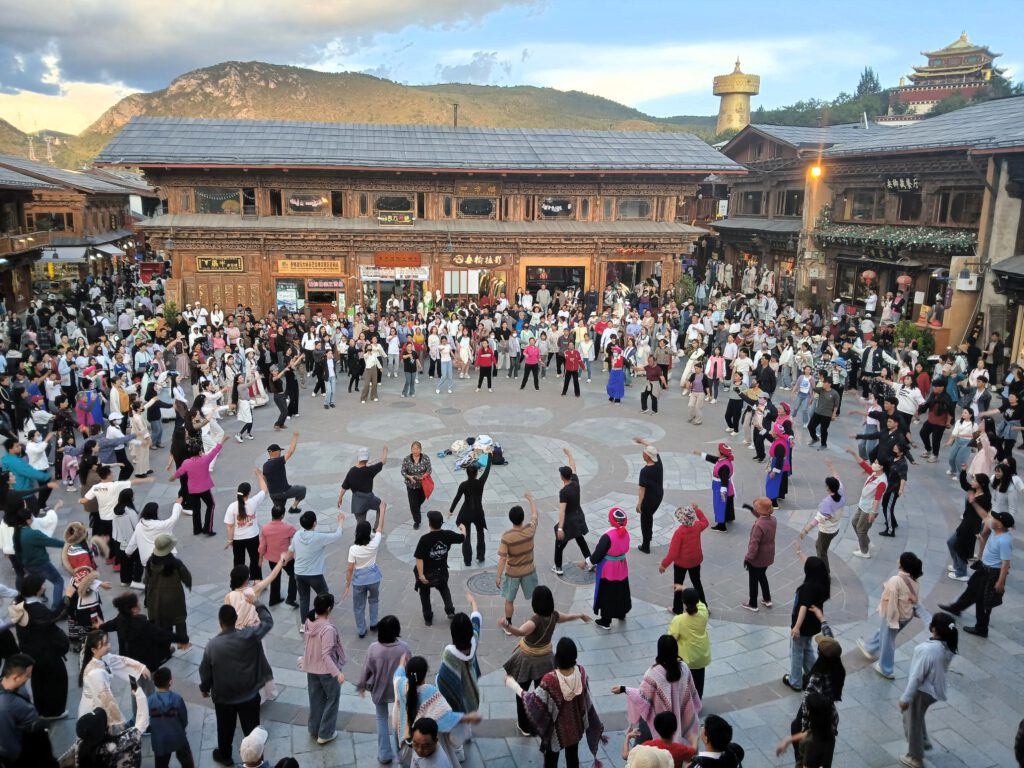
[327, 302]
[555, 277]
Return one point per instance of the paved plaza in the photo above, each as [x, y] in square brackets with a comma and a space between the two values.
[750, 651]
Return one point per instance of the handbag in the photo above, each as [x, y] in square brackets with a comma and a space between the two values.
[427, 483]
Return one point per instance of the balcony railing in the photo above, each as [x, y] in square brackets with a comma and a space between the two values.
[18, 242]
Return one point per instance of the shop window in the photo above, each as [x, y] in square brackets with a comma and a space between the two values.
[50, 221]
[249, 201]
[446, 206]
[585, 209]
[337, 203]
[421, 204]
[634, 208]
[529, 207]
[276, 205]
[750, 203]
[865, 206]
[362, 204]
[846, 281]
[218, 200]
[476, 207]
[910, 204]
[308, 202]
[958, 208]
[290, 295]
[557, 208]
[789, 202]
[608, 206]
[461, 282]
[393, 203]
[504, 208]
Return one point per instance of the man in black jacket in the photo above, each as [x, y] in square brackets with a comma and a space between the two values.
[233, 670]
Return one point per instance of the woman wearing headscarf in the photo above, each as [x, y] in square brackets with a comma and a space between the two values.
[561, 709]
[898, 605]
[667, 686]
[616, 387]
[685, 554]
[760, 552]
[722, 490]
[778, 464]
[611, 588]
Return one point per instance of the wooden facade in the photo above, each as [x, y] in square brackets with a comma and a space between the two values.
[322, 239]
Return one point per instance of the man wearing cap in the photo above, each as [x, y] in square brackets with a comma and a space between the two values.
[275, 472]
[359, 480]
[987, 585]
[251, 749]
[651, 491]
[233, 669]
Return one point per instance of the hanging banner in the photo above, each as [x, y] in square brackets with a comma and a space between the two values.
[314, 267]
[366, 272]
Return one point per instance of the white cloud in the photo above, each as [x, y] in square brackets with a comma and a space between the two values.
[70, 111]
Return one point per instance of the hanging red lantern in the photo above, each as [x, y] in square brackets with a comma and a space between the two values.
[869, 276]
[904, 280]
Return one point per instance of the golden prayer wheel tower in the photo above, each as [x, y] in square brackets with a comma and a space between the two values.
[735, 91]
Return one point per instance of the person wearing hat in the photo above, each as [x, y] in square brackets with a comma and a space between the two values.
[359, 480]
[987, 585]
[611, 588]
[275, 472]
[722, 490]
[166, 578]
[651, 491]
[251, 749]
[102, 743]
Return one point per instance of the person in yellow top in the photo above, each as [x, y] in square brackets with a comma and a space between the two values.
[690, 630]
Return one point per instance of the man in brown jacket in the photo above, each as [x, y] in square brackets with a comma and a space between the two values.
[760, 552]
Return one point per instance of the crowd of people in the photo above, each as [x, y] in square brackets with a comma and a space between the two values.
[92, 384]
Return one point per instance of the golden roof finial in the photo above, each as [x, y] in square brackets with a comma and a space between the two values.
[963, 36]
[737, 70]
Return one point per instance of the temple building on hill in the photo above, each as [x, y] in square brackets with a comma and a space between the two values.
[961, 67]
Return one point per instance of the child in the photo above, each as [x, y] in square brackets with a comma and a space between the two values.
[168, 720]
[84, 610]
[69, 464]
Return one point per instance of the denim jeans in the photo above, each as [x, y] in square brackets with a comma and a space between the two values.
[51, 574]
[959, 564]
[802, 403]
[385, 750]
[802, 654]
[446, 375]
[960, 454]
[360, 593]
[305, 583]
[883, 645]
[329, 394]
[409, 388]
[587, 363]
[864, 447]
[156, 430]
[324, 693]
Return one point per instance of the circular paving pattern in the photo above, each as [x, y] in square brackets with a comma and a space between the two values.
[483, 583]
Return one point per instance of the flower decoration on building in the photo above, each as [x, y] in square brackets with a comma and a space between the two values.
[885, 236]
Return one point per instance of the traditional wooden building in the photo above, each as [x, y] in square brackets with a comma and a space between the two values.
[20, 245]
[911, 209]
[961, 67]
[316, 215]
[761, 236]
[87, 218]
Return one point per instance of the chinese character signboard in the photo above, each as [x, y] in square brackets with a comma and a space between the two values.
[314, 267]
[366, 272]
[475, 260]
[485, 188]
[383, 259]
[315, 284]
[220, 264]
[902, 183]
[395, 219]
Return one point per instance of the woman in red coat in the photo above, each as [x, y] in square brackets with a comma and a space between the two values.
[684, 553]
[485, 365]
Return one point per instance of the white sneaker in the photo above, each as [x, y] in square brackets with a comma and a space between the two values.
[249, 436]
[137, 585]
[438, 391]
[954, 577]
[949, 568]
[449, 391]
[238, 438]
[858, 553]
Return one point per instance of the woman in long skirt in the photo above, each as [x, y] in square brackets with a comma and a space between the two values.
[242, 401]
[616, 387]
[611, 589]
[722, 491]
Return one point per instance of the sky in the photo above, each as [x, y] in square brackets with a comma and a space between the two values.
[60, 69]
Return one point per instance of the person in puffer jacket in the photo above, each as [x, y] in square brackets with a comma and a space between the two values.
[322, 660]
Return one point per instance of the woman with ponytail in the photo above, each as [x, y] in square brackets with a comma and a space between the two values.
[898, 605]
[611, 588]
[416, 698]
[926, 685]
[243, 528]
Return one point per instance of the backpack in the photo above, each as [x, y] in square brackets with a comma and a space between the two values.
[497, 455]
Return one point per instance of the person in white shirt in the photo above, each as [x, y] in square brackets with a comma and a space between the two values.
[106, 492]
[150, 527]
[364, 573]
[244, 528]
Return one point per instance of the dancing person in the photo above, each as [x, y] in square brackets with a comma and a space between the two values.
[926, 684]
[898, 605]
[243, 527]
[722, 489]
[472, 512]
[685, 554]
[515, 558]
[364, 573]
[377, 677]
[828, 516]
[275, 472]
[760, 553]
[611, 585]
[689, 628]
[359, 479]
[322, 659]
[310, 549]
[867, 505]
[987, 584]
[416, 467]
[813, 592]
[572, 523]
[431, 555]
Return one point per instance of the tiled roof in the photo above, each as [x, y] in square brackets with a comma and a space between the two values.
[61, 177]
[13, 180]
[992, 125]
[132, 180]
[228, 222]
[157, 141]
[782, 226]
[800, 136]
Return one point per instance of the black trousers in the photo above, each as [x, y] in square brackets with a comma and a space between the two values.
[931, 438]
[446, 598]
[527, 370]
[184, 756]
[732, 414]
[889, 505]
[251, 546]
[127, 468]
[572, 757]
[758, 576]
[974, 594]
[559, 362]
[416, 499]
[49, 685]
[467, 546]
[281, 401]
[194, 502]
[292, 389]
[574, 377]
[817, 420]
[647, 524]
[581, 542]
[758, 439]
[485, 373]
[275, 585]
[698, 680]
[248, 714]
[648, 393]
[679, 577]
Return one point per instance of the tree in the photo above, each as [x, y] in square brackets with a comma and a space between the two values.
[951, 103]
[868, 82]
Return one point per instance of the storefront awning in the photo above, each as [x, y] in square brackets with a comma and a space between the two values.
[68, 254]
[788, 226]
[1009, 276]
[113, 250]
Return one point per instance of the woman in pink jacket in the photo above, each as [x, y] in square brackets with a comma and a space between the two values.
[322, 659]
[199, 483]
[714, 370]
[898, 605]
